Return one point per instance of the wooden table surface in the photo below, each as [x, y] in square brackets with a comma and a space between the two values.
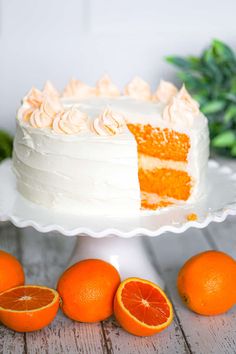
[45, 256]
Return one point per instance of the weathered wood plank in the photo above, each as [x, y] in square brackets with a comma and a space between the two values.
[10, 342]
[203, 334]
[44, 258]
[169, 341]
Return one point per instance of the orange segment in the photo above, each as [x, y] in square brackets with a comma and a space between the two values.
[141, 307]
[28, 308]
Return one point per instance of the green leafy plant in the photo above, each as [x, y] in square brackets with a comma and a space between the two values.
[211, 79]
[6, 143]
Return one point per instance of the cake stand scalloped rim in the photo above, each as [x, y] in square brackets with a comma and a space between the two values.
[217, 216]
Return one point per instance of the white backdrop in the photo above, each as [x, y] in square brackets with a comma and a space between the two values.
[59, 39]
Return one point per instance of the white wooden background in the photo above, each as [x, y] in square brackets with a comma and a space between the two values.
[45, 256]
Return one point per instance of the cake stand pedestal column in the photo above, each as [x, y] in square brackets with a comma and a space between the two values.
[128, 255]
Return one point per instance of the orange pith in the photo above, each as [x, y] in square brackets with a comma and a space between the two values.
[162, 143]
[141, 307]
[28, 308]
[165, 182]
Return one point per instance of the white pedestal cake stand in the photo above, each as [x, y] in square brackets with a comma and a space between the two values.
[111, 238]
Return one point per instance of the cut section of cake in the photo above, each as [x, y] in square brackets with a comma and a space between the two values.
[94, 151]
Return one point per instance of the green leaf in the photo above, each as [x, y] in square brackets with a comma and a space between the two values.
[229, 96]
[213, 107]
[200, 98]
[223, 51]
[233, 85]
[211, 80]
[179, 61]
[210, 63]
[230, 113]
[225, 139]
[233, 151]
[6, 143]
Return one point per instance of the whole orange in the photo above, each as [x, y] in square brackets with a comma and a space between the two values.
[206, 283]
[87, 290]
[11, 272]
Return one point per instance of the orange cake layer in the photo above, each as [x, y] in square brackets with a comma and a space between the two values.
[145, 205]
[165, 182]
[162, 143]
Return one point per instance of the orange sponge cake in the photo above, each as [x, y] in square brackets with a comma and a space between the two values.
[93, 150]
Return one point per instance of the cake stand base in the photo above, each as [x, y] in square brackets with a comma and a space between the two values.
[129, 256]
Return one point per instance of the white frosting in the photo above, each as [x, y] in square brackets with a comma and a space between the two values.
[86, 173]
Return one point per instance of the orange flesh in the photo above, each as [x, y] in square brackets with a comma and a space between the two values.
[145, 303]
[25, 299]
[165, 182]
[165, 144]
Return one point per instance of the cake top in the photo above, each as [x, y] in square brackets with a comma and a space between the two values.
[104, 111]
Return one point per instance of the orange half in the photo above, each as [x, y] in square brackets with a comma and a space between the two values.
[28, 308]
[141, 307]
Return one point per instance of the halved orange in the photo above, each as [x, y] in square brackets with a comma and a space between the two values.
[28, 308]
[141, 307]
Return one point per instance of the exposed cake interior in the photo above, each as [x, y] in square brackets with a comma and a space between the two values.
[162, 162]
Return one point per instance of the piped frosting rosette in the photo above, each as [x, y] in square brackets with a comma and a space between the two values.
[106, 88]
[138, 89]
[70, 121]
[38, 110]
[181, 108]
[79, 90]
[109, 123]
[165, 92]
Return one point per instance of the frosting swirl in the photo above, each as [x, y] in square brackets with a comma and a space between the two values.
[50, 90]
[78, 89]
[33, 98]
[105, 87]
[40, 120]
[26, 113]
[189, 102]
[70, 121]
[138, 89]
[165, 91]
[43, 116]
[181, 108]
[109, 123]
